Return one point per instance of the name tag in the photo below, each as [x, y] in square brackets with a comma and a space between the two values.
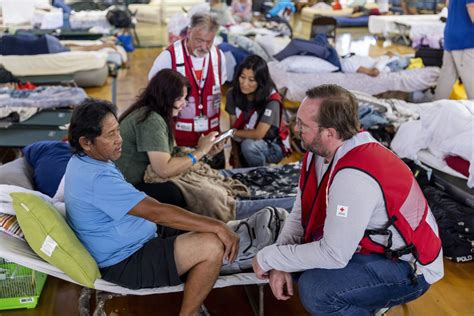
[216, 89]
[201, 124]
[216, 104]
[187, 127]
[214, 122]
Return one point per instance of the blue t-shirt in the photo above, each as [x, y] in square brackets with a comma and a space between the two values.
[459, 31]
[97, 202]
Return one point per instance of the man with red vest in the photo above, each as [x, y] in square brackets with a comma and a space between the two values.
[361, 236]
[203, 64]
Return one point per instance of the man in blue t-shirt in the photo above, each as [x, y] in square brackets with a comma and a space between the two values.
[458, 59]
[117, 223]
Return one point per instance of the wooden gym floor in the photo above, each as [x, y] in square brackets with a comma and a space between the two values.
[452, 296]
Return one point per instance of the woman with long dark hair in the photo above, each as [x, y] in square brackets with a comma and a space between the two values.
[147, 132]
[255, 111]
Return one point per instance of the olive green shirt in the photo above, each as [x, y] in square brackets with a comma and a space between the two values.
[138, 139]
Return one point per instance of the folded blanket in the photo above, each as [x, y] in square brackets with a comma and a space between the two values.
[205, 190]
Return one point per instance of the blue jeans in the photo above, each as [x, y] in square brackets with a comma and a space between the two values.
[260, 152]
[367, 283]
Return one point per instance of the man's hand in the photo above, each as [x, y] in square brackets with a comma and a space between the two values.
[281, 284]
[258, 270]
[230, 241]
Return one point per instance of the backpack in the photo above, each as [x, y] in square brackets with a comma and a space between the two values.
[259, 230]
[119, 18]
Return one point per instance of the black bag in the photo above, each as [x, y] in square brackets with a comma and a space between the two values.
[455, 218]
[430, 56]
[455, 187]
[119, 18]
[6, 76]
[455, 222]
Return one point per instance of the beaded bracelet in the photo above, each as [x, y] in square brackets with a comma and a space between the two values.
[193, 158]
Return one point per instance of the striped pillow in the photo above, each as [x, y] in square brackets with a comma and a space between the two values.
[9, 225]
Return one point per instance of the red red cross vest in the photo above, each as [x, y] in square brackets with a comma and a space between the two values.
[405, 203]
[193, 121]
[253, 119]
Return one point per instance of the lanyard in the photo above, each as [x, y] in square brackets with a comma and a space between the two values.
[199, 83]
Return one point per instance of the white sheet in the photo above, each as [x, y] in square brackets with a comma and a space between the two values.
[426, 28]
[118, 48]
[16, 12]
[53, 64]
[6, 202]
[446, 127]
[385, 24]
[18, 251]
[90, 18]
[406, 80]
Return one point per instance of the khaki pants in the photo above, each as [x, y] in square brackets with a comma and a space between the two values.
[456, 64]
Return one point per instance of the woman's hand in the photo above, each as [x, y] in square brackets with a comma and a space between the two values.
[206, 142]
[217, 148]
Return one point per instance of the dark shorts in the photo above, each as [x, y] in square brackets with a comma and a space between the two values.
[151, 266]
[164, 192]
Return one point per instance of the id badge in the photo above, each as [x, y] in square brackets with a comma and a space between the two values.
[201, 124]
[216, 89]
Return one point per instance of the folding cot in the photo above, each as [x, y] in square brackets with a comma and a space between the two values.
[87, 68]
[43, 114]
[303, 27]
[406, 80]
[45, 125]
[407, 27]
[18, 251]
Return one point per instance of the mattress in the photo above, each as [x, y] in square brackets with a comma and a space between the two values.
[53, 64]
[406, 80]
[91, 78]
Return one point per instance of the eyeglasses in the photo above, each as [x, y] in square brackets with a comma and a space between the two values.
[301, 126]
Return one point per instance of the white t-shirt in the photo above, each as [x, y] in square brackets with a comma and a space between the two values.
[163, 61]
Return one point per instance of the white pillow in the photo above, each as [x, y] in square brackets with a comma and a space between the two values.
[58, 198]
[6, 203]
[307, 64]
[272, 44]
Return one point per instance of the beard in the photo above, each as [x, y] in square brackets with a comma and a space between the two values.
[200, 52]
[316, 147]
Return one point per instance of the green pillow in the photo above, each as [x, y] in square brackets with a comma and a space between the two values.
[52, 239]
